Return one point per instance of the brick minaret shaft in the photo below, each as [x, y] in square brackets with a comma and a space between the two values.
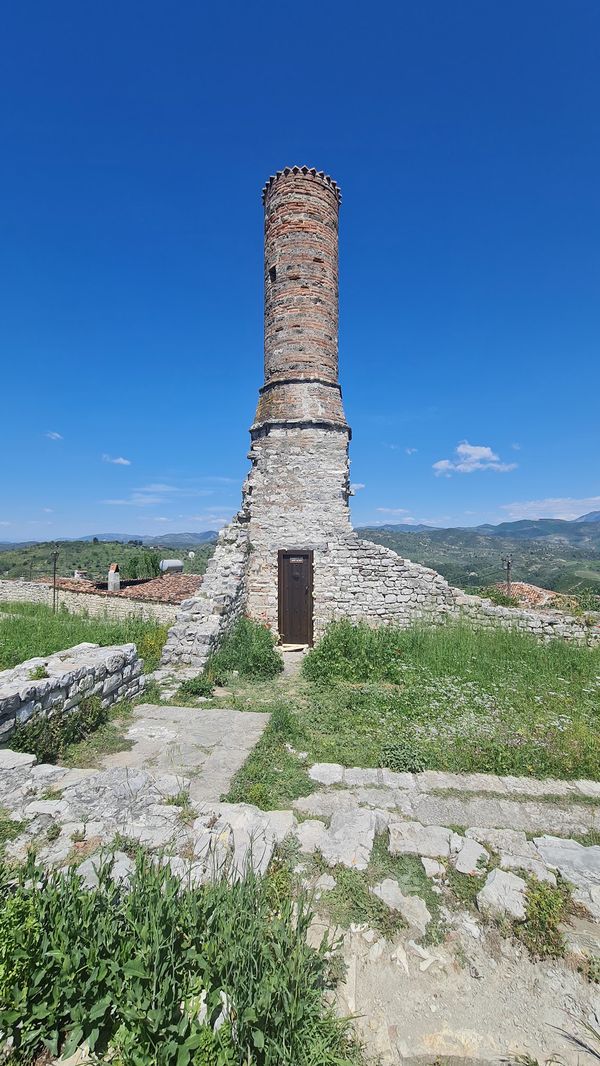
[301, 303]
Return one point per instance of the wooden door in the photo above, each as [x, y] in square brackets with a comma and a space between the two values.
[295, 597]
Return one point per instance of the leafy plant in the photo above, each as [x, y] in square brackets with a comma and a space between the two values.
[497, 595]
[197, 686]
[47, 737]
[248, 649]
[403, 755]
[547, 907]
[142, 564]
[163, 973]
[38, 673]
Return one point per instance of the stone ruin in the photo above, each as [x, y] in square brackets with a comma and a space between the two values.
[290, 557]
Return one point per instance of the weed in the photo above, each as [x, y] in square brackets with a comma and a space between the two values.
[106, 740]
[48, 737]
[273, 776]
[248, 649]
[464, 887]
[38, 673]
[352, 901]
[182, 800]
[53, 832]
[403, 755]
[143, 975]
[547, 906]
[8, 829]
[197, 686]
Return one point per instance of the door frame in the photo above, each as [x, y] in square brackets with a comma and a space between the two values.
[281, 555]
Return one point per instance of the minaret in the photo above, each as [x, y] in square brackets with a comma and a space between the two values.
[301, 301]
[296, 494]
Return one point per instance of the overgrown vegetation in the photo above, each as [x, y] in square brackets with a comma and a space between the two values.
[8, 829]
[213, 976]
[546, 909]
[273, 774]
[33, 630]
[47, 737]
[197, 686]
[498, 596]
[249, 650]
[142, 564]
[452, 698]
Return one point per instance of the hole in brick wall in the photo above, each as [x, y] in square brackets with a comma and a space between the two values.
[273, 273]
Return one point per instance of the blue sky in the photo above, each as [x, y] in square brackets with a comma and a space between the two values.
[135, 141]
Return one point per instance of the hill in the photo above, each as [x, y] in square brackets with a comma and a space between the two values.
[566, 560]
[32, 561]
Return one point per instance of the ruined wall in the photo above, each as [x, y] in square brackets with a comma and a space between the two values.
[85, 602]
[203, 620]
[113, 674]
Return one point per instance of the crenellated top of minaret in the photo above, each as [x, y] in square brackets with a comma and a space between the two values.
[301, 301]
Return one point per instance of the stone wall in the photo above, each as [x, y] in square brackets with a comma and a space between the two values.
[203, 620]
[84, 602]
[113, 674]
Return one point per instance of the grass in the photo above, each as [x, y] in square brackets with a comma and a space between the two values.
[273, 775]
[547, 907]
[352, 901]
[219, 975]
[106, 740]
[8, 828]
[34, 630]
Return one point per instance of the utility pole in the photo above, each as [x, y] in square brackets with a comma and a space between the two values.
[507, 565]
[54, 557]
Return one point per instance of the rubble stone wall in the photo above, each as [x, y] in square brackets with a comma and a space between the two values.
[114, 673]
[80, 602]
[203, 620]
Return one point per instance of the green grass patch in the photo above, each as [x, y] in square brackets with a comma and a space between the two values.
[273, 775]
[453, 698]
[48, 736]
[8, 828]
[143, 975]
[547, 908]
[107, 739]
[34, 630]
[249, 650]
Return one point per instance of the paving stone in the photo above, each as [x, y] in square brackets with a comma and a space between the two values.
[326, 803]
[327, 773]
[432, 867]
[395, 780]
[470, 858]
[412, 908]
[349, 839]
[489, 812]
[311, 835]
[576, 863]
[12, 760]
[412, 838]
[358, 776]
[514, 850]
[503, 895]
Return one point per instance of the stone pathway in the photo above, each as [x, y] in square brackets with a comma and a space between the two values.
[206, 746]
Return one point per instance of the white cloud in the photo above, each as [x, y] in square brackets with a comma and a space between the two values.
[471, 457]
[356, 486]
[567, 507]
[516, 447]
[47, 510]
[5, 523]
[137, 499]
[118, 461]
[392, 510]
[172, 490]
[411, 451]
[53, 435]
[161, 518]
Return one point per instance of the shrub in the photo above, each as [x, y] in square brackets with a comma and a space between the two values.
[143, 974]
[546, 908]
[141, 565]
[356, 653]
[403, 756]
[249, 648]
[197, 686]
[48, 737]
[498, 596]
